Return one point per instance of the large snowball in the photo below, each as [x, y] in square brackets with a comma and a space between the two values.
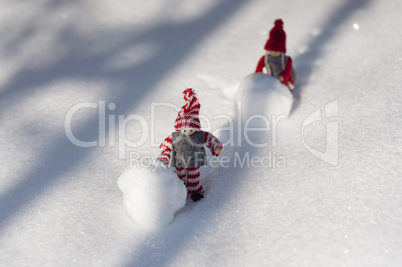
[264, 95]
[152, 195]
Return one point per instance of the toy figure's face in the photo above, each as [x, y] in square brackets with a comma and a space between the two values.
[188, 131]
[274, 53]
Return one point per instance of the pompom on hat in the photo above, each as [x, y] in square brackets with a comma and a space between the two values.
[277, 38]
[188, 116]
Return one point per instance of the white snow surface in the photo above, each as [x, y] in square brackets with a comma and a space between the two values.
[279, 204]
[152, 195]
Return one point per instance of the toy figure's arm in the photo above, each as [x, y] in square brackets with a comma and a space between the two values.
[261, 65]
[166, 149]
[286, 72]
[214, 145]
[293, 76]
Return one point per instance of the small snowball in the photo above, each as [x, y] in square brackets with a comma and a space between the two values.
[152, 195]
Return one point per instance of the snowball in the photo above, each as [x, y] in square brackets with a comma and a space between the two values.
[261, 94]
[152, 195]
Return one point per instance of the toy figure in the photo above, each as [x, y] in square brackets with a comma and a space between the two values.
[185, 150]
[276, 63]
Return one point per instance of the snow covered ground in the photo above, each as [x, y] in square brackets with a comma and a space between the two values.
[331, 195]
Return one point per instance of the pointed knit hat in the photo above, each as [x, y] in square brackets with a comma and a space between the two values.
[277, 38]
[188, 115]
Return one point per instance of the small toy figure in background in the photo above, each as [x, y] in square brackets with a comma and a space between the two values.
[276, 63]
[185, 150]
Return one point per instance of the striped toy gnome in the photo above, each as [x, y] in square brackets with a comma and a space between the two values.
[185, 148]
[276, 63]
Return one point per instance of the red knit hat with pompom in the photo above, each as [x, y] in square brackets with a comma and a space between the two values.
[277, 38]
[188, 115]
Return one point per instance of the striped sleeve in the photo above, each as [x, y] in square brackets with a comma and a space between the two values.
[212, 142]
[166, 148]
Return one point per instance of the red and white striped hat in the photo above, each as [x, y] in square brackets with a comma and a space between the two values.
[188, 115]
